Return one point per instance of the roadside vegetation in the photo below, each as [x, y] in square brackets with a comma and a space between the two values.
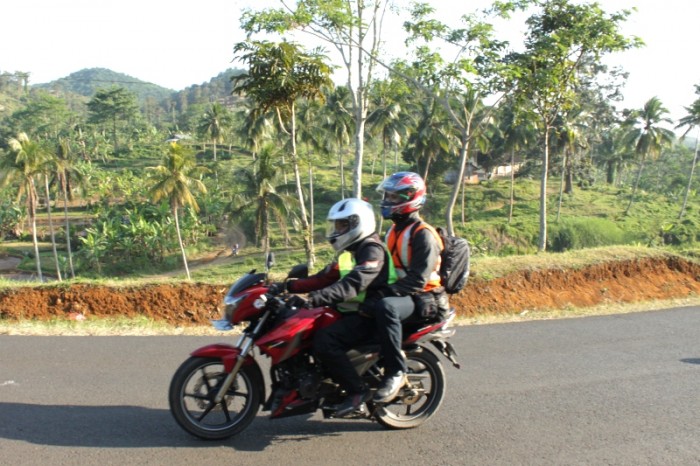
[112, 185]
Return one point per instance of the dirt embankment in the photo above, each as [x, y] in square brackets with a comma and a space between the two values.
[194, 304]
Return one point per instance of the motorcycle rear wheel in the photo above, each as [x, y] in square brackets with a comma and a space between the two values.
[421, 398]
[192, 392]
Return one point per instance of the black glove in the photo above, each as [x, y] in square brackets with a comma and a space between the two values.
[296, 301]
[276, 288]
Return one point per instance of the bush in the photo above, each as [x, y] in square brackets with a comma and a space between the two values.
[583, 233]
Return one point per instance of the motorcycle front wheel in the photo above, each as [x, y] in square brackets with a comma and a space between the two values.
[422, 395]
[193, 389]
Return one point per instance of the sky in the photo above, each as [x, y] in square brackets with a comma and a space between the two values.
[176, 44]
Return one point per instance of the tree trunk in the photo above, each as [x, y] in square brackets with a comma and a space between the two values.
[31, 195]
[69, 250]
[464, 152]
[512, 185]
[310, 257]
[341, 167]
[542, 246]
[636, 184]
[690, 178]
[311, 203]
[360, 118]
[53, 235]
[561, 186]
[266, 232]
[179, 240]
[569, 171]
[610, 171]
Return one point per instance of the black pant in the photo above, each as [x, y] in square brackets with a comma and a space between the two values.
[332, 343]
[388, 315]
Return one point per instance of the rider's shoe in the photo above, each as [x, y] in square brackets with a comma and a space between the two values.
[390, 387]
[353, 404]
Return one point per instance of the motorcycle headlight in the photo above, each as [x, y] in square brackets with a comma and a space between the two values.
[230, 305]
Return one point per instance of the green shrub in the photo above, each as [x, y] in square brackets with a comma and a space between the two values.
[582, 233]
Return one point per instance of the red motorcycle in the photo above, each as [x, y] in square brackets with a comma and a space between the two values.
[217, 391]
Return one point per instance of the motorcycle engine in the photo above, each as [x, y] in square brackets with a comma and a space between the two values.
[308, 385]
[300, 374]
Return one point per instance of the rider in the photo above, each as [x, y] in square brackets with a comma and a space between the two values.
[361, 271]
[415, 248]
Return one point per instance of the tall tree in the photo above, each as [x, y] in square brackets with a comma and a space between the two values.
[354, 29]
[65, 172]
[214, 123]
[24, 164]
[561, 36]
[278, 75]
[112, 106]
[647, 136]
[689, 121]
[261, 193]
[516, 132]
[460, 84]
[175, 180]
[388, 119]
[337, 122]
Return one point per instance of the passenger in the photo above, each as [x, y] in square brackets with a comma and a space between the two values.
[415, 248]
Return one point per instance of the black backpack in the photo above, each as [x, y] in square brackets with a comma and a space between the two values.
[454, 270]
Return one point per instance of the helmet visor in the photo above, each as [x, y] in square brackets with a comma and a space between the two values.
[335, 228]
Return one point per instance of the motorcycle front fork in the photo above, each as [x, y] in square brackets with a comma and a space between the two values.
[245, 343]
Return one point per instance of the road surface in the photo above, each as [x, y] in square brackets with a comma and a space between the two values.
[620, 390]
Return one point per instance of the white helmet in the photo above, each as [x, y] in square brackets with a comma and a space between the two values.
[360, 223]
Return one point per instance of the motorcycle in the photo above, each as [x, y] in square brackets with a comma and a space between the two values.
[217, 392]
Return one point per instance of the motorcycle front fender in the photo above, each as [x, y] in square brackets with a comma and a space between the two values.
[229, 356]
[227, 353]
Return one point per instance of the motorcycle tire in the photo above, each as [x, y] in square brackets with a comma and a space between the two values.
[191, 396]
[422, 396]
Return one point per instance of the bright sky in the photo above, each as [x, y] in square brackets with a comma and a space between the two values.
[176, 44]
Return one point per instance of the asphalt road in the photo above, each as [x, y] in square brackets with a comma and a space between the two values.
[619, 390]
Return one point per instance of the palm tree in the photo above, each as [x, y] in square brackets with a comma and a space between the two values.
[49, 167]
[430, 139]
[65, 172]
[388, 121]
[278, 76]
[255, 128]
[337, 121]
[690, 121]
[517, 130]
[174, 180]
[260, 193]
[213, 124]
[646, 136]
[24, 164]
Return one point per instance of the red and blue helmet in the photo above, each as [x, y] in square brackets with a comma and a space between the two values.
[402, 193]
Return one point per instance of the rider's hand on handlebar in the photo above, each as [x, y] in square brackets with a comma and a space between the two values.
[277, 288]
[296, 301]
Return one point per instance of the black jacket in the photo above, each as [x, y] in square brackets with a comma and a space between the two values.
[370, 274]
[424, 257]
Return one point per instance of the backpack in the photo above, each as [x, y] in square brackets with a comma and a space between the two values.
[454, 260]
[454, 269]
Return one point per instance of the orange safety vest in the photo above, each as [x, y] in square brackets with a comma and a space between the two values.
[401, 250]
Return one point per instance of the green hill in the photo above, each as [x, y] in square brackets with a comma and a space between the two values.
[87, 81]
